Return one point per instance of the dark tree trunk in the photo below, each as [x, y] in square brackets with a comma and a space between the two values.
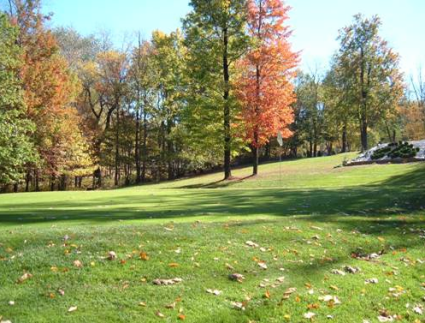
[145, 149]
[63, 183]
[363, 134]
[137, 147]
[344, 139]
[267, 152]
[52, 183]
[27, 181]
[37, 181]
[330, 148]
[226, 109]
[117, 150]
[15, 188]
[255, 159]
[364, 107]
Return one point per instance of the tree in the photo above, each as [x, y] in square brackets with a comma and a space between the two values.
[216, 39]
[112, 88]
[16, 148]
[168, 58]
[265, 87]
[50, 89]
[142, 80]
[309, 111]
[371, 69]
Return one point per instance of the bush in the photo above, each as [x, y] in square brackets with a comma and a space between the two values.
[396, 150]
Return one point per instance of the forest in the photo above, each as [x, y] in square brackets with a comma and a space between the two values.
[81, 112]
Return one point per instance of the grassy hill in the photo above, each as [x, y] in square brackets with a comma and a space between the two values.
[307, 217]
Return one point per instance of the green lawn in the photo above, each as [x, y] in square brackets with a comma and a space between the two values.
[307, 217]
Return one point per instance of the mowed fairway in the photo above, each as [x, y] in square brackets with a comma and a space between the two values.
[305, 218]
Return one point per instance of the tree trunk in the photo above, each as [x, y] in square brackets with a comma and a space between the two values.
[226, 123]
[52, 183]
[363, 134]
[117, 151]
[363, 108]
[344, 139]
[145, 149]
[27, 181]
[255, 158]
[137, 147]
[267, 151]
[37, 181]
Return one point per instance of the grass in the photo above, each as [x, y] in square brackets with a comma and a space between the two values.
[307, 216]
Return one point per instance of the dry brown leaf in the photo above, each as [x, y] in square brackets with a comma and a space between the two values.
[166, 282]
[215, 292]
[237, 277]
[112, 255]
[251, 244]
[24, 277]
[238, 306]
[144, 256]
[171, 306]
[78, 264]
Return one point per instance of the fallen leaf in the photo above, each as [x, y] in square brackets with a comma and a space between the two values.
[337, 272]
[237, 277]
[72, 309]
[78, 264]
[214, 291]
[112, 255]
[172, 281]
[418, 309]
[309, 315]
[251, 244]
[173, 265]
[24, 277]
[159, 314]
[262, 265]
[238, 305]
[143, 304]
[171, 306]
[144, 256]
[352, 270]
[371, 281]
[181, 317]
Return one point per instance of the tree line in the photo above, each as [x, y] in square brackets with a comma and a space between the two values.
[78, 112]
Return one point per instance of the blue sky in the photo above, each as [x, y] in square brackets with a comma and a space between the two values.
[315, 23]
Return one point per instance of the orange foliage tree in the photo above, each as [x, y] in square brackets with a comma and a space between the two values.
[264, 87]
[50, 89]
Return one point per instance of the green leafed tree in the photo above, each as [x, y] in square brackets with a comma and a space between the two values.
[16, 149]
[370, 68]
[215, 36]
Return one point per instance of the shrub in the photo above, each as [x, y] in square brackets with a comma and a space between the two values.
[396, 150]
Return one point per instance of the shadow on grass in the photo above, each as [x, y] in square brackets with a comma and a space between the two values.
[353, 206]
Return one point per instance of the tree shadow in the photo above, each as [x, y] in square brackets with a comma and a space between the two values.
[353, 207]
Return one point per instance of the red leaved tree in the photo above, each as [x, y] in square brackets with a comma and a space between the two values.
[264, 87]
